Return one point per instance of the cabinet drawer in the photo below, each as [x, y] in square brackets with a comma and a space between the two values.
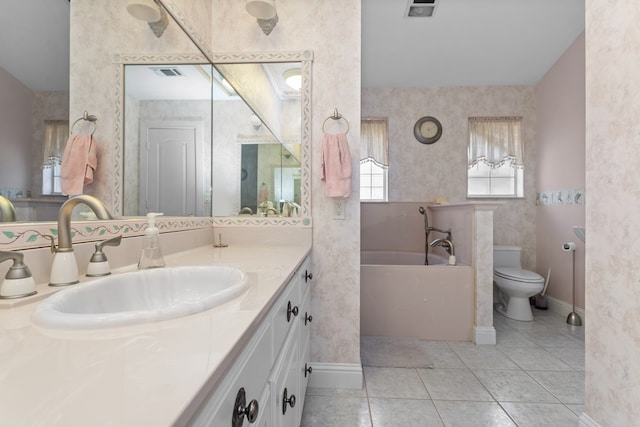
[305, 319]
[305, 276]
[286, 313]
[250, 372]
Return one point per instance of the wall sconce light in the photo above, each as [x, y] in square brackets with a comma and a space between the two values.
[255, 122]
[293, 78]
[265, 13]
[150, 12]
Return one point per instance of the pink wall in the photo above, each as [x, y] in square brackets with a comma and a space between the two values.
[560, 164]
[396, 226]
[15, 132]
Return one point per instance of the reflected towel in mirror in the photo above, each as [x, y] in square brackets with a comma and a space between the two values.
[79, 161]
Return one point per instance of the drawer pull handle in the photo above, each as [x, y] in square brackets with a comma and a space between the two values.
[243, 410]
[307, 276]
[307, 318]
[291, 401]
[291, 310]
[307, 370]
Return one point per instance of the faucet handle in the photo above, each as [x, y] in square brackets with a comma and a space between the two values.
[53, 242]
[18, 281]
[98, 264]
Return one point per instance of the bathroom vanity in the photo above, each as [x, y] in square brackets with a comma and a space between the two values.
[191, 370]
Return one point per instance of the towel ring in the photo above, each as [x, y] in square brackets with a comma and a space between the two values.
[88, 118]
[336, 116]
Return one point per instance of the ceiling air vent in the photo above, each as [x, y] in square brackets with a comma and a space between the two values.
[167, 71]
[421, 8]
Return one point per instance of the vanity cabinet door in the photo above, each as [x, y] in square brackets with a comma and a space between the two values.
[305, 369]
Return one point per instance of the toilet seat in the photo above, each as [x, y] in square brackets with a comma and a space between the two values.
[518, 275]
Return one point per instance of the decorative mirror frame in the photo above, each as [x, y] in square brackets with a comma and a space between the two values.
[304, 57]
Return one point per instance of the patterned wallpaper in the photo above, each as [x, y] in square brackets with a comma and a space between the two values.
[612, 374]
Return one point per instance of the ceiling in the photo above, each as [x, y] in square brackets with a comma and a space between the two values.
[34, 42]
[466, 42]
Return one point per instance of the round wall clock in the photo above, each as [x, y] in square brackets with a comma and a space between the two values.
[427, 130]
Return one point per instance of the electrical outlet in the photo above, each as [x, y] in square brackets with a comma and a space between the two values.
[339, 209]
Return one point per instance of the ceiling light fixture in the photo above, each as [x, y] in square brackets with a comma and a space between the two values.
[293, 78]
[150, 12]
[265, 13]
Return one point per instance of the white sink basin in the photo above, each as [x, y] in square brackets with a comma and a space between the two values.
[140, 297]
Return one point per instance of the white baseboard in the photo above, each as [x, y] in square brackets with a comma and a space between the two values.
[585, 420]
[336, 375]
[563, 308]
[484, 335]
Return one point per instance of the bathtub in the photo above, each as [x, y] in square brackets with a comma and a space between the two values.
[400, 296]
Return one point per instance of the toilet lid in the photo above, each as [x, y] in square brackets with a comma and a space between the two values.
[518, 274]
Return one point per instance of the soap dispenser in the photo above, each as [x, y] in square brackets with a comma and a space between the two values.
[151, 256]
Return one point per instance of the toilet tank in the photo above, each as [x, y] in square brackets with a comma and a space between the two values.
[507, 256]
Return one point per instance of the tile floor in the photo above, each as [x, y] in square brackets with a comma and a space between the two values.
[534, 376]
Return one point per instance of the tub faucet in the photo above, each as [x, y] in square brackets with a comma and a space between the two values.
[439, 230]
[7, 210]
[445, 243]
[64, 270]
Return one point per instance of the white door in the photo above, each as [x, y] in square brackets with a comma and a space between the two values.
[170, 171]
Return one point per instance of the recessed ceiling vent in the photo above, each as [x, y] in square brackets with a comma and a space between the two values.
[167, 71]
[421, 8]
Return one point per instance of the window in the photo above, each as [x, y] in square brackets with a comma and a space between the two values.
[495, 157]
[374, 160]
[56, 133]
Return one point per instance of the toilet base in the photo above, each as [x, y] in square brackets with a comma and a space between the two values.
[516, 309]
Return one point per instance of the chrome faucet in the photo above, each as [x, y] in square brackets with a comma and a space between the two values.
[439, 230]
[445, 243]
[7, 210]
[64, 270]
[272, 210]
[18, 281]
[246, 211]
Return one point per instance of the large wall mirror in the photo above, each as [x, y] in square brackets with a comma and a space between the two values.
[229, 140]
[252, 144]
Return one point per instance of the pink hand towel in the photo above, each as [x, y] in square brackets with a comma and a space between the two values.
[79, 161]
[336, 165]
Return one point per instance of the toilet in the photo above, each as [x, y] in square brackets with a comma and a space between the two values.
[515, 285]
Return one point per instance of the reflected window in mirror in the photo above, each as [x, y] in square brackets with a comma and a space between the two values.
[374, 161]
[56, 133]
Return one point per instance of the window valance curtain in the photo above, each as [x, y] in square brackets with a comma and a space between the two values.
[495, 141]
[374, 145]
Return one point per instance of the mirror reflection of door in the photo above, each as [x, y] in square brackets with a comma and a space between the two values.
[170, 173]
[249, 177]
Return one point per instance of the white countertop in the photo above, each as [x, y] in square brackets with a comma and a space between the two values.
[144, 375]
